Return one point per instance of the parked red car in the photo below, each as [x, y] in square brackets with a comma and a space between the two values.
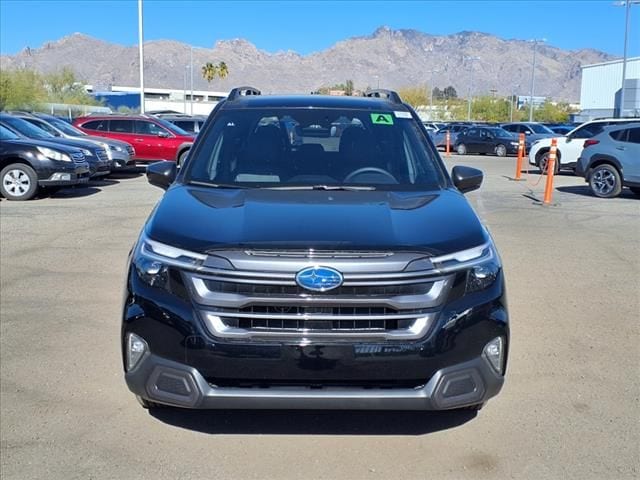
[153, 138]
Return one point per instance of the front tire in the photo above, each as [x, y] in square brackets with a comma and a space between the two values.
[461, 149]
[501, 151]
[18, 182]
[544, 160]
[604, 181]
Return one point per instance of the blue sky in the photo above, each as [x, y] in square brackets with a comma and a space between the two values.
[308, 26]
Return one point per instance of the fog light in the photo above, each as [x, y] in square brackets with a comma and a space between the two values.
[494, 352]
[136, 348]
[60, 176]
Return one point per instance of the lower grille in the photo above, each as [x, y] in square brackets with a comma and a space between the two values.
[102, 155]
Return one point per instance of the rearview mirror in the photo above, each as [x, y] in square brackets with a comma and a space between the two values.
[466, 179]
[161, 174]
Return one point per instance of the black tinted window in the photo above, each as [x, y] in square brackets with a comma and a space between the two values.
[588, 131]
[121, 126]
[186, 125]
[620, 135]
[471, 132]
[279, 147]
[634, 135]
[97, 125]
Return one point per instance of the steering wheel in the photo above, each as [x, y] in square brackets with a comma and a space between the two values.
[360, 171]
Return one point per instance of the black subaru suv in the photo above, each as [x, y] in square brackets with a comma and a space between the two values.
[346, 270]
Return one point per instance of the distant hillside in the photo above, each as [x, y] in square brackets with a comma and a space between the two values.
[396, 58]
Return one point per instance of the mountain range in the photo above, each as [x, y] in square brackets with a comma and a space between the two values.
[388, 58]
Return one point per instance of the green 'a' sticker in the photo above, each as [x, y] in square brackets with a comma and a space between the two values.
[382, 119]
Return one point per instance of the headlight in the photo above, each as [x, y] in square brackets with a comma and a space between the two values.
[87, 152]
[482, 266]
[54, 154]
[152, 260]
[116, 148]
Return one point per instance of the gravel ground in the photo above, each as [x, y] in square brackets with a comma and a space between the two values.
[570, 407]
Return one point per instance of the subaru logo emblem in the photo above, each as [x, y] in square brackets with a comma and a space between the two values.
[319, 279]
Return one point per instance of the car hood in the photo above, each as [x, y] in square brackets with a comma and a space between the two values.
[106, 140]
[32, 142]
[88, 144]
[202, 219]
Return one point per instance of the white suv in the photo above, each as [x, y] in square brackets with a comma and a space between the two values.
[570, 146]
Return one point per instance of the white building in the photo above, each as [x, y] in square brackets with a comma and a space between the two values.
[180, 100]
[600, 92]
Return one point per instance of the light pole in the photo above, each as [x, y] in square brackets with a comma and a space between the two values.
[141, 55]
[627, 4]
[184, 89]
[533, 76]
[513, 95]
[431, 72]
[470, 84]
[191, 68]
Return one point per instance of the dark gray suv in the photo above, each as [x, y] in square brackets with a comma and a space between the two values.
[611, 160]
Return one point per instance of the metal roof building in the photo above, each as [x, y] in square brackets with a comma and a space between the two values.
[601, 88]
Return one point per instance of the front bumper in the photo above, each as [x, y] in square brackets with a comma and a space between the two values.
[168, 382]
[60, 174]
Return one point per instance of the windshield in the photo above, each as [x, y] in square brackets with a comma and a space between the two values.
[173, 128]
[66, 128]
[280, 148]
[537, 128]
[25, 128]
[6, 134]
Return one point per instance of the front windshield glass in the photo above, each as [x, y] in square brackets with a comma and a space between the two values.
[25, 128]
[537, 128]
[310, 147]
[66, 128]
[170, 126]
[6, 134]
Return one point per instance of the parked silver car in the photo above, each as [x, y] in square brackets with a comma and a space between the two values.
[611, 160]
[120, 153]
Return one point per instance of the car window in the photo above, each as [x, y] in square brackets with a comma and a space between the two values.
[471, 132]
[253, 147]
[620, 135]
[536, 128]
[25, 128]
[186, 125]
[588, 131]
[143, 127]
[6, 134]
[66, 127]
[44, 126]
[121, 126]
[634, 135]
[510, 128]
[100, 125]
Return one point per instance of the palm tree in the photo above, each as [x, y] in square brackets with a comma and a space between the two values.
[211, 71]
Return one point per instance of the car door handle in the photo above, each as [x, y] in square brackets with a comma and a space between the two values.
[620, 148]
[138, 139]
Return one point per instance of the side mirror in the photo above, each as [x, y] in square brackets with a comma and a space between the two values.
[466, 179]
[162, 134]
[161, 174]
[568, 139]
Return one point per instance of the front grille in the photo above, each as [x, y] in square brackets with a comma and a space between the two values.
[378, 298]
[77, 157]
[102, 155]
[296, 291]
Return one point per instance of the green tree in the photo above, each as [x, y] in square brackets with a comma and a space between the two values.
[490, 109]
[450, 92]
[414, 96]
[63, 87]
[20, 89]
[552, 112]
[437, 94]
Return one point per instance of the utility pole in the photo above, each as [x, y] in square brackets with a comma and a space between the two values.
[470, 84]
[191, 63]
[533, 77]
[184, 89]
[141, 55]
[431, 93]
[512, 100]
[627, 4]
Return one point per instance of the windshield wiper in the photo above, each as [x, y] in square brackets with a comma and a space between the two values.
[216, 185]
[348, 188]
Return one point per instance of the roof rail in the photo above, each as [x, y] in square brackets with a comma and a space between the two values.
[238, 92]
[390, 95]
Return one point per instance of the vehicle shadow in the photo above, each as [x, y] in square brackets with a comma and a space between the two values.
[102, 182]
[133, 172]
[312, 422]
[586, 192]
[72, 192]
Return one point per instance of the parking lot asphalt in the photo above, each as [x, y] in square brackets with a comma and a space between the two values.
[570, 407]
